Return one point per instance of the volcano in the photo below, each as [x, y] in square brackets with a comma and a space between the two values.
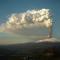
[40, 49]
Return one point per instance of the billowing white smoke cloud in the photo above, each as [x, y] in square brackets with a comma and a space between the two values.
[30, 18]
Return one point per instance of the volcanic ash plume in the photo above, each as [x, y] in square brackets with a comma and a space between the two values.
[30, 18]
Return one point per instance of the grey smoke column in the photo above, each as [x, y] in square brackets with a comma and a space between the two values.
[50, 32]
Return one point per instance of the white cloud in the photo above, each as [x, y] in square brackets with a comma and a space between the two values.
[27, 19]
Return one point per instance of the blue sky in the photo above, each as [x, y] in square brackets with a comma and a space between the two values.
[7, 7]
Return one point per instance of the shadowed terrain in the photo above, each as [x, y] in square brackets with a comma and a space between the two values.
[44, 50]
